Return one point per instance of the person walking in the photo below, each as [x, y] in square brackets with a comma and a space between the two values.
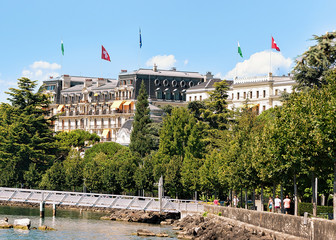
[270, 204]
[277, 204]
[287, 202]
[235, 201]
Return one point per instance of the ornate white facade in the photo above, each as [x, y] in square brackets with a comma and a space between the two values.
[261, 93]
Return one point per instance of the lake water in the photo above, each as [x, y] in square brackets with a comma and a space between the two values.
[72, 224]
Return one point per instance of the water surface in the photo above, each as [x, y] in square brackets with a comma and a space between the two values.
[73, 224]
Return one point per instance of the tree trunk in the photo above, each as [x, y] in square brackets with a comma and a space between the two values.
[281, 196]
[295, 197]
[262, 198]
[241, 197]
[314, 195]
[273, 207]
[334, 197]
[246, 198]
[253, 199]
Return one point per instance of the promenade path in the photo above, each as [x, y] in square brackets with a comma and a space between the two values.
[99, 200]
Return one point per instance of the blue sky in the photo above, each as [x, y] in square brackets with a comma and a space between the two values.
[194, 35]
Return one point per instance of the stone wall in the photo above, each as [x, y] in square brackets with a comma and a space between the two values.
[314, 229]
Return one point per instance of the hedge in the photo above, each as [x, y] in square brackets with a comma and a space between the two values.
[308, 207]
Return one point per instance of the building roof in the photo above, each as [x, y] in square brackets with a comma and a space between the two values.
[207, 86]
[76, 78]
[171, 73]
[76, 88]
[110, 85]
[128, 124]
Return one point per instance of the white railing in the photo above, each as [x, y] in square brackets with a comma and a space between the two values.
[99, 200]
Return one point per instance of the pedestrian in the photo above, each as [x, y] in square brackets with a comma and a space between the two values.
[228, 202]
[270, 204]
[277, 204]
[235, 201]
[287, 204]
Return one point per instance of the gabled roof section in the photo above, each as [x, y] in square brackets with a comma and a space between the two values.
[206, 86]
[172, 73]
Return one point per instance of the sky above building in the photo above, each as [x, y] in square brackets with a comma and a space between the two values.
[196, 35]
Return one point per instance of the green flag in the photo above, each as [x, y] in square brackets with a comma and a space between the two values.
[62, 47]
[239, 50]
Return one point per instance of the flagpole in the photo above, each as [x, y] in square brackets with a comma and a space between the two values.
[271, 58]
[62, 69]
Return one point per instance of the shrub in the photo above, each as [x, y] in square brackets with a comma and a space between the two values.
[219, 214]
[205, 214]
[308, 207]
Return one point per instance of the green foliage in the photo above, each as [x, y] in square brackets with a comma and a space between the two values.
[216, 113]
[220, 214]
[108, 148]
[141, 141]
[205, 214]
[73, 167]
[308, 207]
[25, 136]
[313, 65]
[74, 139]
[54, 178]
[180, 152]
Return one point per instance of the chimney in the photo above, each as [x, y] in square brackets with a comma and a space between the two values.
[123, 71]
[173, 69]
[66, 81]
[88, 82]
[208, 76]
[101, 81]
[154, 68]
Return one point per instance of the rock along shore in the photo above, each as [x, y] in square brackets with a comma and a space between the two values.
[141, 216]
[214, 227]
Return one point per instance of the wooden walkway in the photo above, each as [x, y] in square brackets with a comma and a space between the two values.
[99, 200]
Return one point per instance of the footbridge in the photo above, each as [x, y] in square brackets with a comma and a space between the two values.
[99, 200]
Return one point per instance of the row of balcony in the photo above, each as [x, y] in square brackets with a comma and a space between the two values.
[93, 100]
[96, 113]
[63, 128]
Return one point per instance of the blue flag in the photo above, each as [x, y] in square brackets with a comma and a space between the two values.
[140, 43]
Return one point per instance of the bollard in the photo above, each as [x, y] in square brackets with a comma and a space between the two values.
[41, 209]
[54, 210]
[305, 218]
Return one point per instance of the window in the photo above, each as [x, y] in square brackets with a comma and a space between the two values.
[237, 96]
[276, 92]
[264, 108]
[168, 97]
[285, 90]
[257, 94]
[195, 98]
[232, 95]
[251, 95]
[264, 93]
[200, 98]
[244, 95]
[189, 99]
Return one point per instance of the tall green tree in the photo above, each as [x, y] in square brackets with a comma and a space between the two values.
[312, 66]
[141, 141]
[26, 141]
[217, 112]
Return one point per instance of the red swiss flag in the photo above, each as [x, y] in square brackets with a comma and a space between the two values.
[105, 54]
[274, 45]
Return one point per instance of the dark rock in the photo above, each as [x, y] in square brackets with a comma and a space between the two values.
[145, 232]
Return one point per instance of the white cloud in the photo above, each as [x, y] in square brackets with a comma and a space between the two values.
[186, 62]
[163, 62]
[41, 70]
[45, 65]
[219, 75]
[259, 64]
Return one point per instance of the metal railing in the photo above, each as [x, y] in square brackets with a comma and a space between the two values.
[99, 200]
